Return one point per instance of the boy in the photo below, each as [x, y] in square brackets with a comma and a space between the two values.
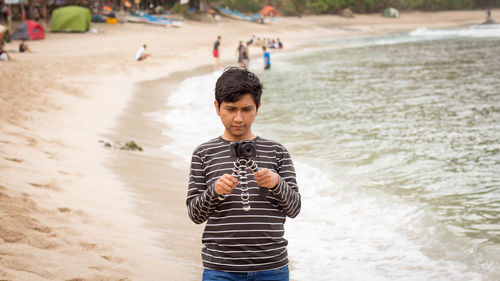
[267, 58]
[241, 243]
[216, 52]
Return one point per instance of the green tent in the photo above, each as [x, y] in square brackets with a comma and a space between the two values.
[70, 19]
[390, 13]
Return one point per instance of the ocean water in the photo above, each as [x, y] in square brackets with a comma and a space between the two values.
[396, 143]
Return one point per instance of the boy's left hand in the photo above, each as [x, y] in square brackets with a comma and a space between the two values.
[266, 178]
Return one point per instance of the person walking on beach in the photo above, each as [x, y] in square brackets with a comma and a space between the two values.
[267, 58]
[239, 50]
[245, 56]
[245, 208]
[142, 53]
[216, 52]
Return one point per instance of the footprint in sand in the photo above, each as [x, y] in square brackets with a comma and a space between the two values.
[114, 259]
[14, 159]
[88, 246]
[52, 185]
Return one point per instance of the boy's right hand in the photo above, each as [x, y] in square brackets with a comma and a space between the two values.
[225, 184]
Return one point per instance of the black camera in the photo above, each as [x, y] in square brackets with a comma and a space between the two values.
[243, 149]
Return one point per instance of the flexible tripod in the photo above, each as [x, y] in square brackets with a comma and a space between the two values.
[239, 171]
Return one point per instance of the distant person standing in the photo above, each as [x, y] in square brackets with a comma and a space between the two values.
[245, 56]
[216, 52]
[267, 58]
[239, 50]
[488, 14]
[142, 53]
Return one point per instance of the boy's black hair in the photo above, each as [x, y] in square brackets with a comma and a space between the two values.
[234, 83]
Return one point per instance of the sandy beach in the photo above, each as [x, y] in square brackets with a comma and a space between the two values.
[73, 209]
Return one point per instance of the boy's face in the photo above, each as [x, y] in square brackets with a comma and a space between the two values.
[237, 118]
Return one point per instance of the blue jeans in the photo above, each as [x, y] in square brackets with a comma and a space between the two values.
[280, 274]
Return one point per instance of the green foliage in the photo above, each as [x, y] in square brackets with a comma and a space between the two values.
[242, 5]
[372, 6]
[299, 7]
[324, 6]
[364, 6]
[177, 8]
[184, 10]
[435, 5]
[295, 7]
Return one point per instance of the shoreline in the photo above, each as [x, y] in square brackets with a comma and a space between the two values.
[67, 199]
[151, 176]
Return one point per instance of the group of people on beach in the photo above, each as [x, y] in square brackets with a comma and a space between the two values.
[243, 51]
[266, 42]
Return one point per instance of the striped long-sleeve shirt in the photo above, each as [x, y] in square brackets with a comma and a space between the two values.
[236, 240]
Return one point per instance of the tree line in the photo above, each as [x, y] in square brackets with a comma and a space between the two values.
[299, 7]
